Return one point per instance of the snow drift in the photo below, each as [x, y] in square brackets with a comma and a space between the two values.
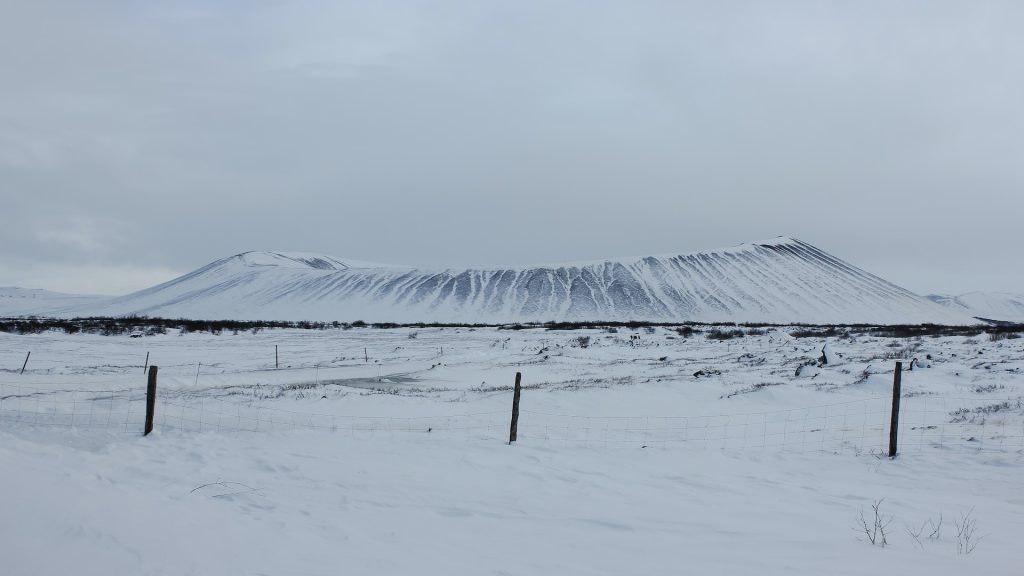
[782, 280]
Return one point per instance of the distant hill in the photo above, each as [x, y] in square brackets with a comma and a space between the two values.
[990, 305]
[782, 280]
[24, 301]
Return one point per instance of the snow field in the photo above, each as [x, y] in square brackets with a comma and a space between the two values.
[93, 497]
[315, 504]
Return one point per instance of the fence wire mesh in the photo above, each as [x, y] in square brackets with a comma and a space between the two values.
[199, 414]
[114, 410]
[961, 423]
[857, 426]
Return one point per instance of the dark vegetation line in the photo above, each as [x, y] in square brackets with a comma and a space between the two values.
[142, 326]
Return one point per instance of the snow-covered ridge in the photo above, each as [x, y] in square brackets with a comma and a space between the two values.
[783, 280]
[317, 261]
[301, 260]
[990, 305]
[23, 301]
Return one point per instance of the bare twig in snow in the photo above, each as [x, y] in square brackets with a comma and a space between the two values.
[875, 530]
[229, 486]
[967, 537]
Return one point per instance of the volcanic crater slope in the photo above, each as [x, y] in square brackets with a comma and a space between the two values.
[782, 280]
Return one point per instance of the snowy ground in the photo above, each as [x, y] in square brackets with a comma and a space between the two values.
[382, 451]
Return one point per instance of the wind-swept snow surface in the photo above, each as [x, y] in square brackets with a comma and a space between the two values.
[781, 280]
[309, 504]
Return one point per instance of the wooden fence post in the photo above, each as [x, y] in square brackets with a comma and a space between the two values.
[146, 365]
[276, 363]
[26, 362]
[894, 423]
[514, 428]
[150, 400]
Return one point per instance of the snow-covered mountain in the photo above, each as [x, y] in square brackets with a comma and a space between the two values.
[781, 280]
[989, 305]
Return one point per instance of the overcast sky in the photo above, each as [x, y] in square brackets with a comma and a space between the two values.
[140, 140]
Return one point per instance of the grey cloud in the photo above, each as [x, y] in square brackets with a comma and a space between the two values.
[445, 133]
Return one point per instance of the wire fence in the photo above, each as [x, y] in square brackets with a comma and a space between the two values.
[961, 423]
[113, 410]
[855, 426]
[199, 414]
[858, 425]
[189, 412]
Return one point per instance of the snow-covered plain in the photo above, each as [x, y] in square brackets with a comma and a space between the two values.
[383, 451]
